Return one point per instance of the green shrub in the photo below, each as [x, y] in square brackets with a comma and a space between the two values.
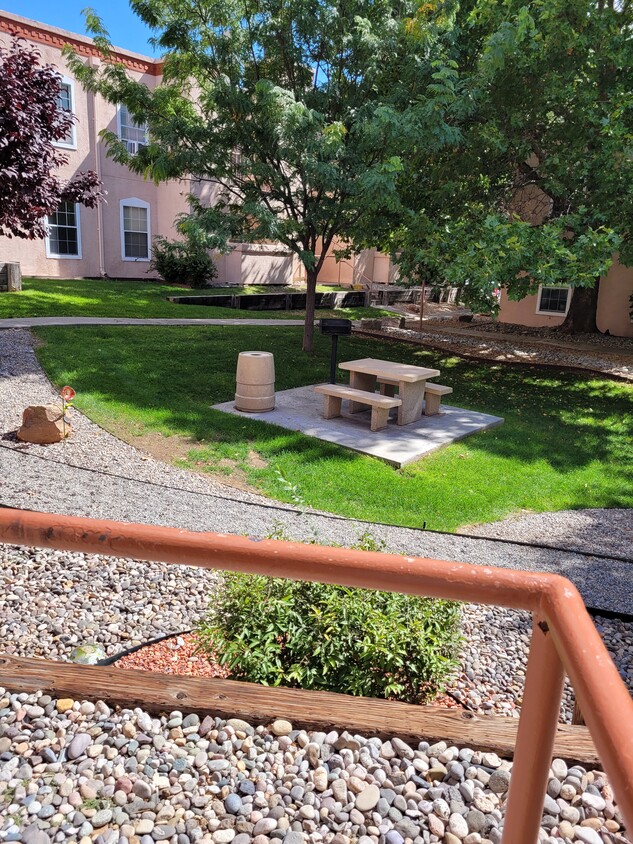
[315, 636]
[182, 262]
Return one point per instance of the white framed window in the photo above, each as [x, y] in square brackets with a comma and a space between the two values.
[135, 230]
[553, 300]
[66, 102]
[132, 133]
[64, 232]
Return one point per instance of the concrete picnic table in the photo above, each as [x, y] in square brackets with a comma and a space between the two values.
[411, 382]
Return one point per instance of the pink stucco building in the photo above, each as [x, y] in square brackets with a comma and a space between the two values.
[550, 305]
[115, 239]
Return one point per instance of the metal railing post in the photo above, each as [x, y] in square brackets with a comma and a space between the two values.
[535, 739]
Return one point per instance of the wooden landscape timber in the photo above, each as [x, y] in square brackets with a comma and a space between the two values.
[262, 704]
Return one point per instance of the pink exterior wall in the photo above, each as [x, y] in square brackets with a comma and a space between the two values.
[613, 301]
[255, 263]
[613, 305]
[524, 312]
[248, 263]
[100, 229]
[370, 265]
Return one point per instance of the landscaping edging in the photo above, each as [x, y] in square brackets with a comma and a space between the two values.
[276, 301]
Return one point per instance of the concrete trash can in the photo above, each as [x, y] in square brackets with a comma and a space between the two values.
[255, 382]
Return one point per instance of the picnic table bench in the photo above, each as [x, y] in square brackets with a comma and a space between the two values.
[411, 381]
[380, 405]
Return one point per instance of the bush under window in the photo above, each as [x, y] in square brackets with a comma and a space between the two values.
[182, 262]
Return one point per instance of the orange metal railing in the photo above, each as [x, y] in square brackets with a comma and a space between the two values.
[564, 638]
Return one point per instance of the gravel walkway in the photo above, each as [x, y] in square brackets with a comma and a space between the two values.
[31, 482]
[606, 531]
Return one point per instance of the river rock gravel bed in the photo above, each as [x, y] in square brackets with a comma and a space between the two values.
[511, 349]
[79, 771]
[75, 599]
[604, 342]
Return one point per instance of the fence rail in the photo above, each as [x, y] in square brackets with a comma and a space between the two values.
[564, 638]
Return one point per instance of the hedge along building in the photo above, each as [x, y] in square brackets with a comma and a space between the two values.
[115, 239]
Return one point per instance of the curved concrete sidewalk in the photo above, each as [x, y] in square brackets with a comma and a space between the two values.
[35, 322]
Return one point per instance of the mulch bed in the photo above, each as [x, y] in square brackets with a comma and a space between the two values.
[177, 655]
[180, 655]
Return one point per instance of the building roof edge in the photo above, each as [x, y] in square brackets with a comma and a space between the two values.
[44, 33]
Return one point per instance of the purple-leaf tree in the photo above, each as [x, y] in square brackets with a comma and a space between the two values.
[31, 123]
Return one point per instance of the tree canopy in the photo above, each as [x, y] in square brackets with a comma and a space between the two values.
[291, 116]
[31, 123]
[539, 188]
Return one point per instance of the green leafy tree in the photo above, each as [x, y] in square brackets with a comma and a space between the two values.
[291, 116]
[539, 187]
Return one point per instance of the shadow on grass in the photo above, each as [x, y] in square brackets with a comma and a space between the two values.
[168, 379]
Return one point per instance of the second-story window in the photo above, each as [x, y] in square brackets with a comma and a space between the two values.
[134, 134]
[65, 102]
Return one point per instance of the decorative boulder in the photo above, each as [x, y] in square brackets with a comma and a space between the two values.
[43, 424]
[87, 654]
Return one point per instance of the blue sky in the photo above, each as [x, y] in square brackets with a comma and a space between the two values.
[126, 30]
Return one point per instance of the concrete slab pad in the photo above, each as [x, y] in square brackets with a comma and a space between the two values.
[301, 409]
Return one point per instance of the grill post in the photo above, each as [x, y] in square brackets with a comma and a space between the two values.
[335, 328]
[333, 355]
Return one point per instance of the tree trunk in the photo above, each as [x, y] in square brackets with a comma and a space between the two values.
[581, 316]
[308, 328]
[422, 292]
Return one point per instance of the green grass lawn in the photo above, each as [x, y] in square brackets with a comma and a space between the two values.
[566, 442]
[136, 299]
